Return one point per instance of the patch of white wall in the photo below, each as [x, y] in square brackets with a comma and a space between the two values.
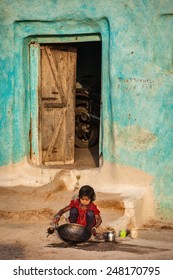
[132, 185]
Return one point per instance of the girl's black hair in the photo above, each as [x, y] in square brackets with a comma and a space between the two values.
[87, 191]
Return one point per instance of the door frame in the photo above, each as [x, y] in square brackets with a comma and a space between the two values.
[34, 86]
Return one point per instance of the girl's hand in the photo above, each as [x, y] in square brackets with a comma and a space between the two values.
[93, 231]
[56, 219]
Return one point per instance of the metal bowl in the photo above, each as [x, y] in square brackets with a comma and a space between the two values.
[73, 233]
[109, 236]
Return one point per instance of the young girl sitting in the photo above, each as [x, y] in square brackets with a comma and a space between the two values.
[82, 210]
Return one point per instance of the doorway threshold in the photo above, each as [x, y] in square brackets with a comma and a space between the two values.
[85, 158]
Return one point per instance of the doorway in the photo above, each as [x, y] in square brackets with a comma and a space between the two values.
[69, 104]
[88, 100]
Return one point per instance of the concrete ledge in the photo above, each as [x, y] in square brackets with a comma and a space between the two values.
[128, 185]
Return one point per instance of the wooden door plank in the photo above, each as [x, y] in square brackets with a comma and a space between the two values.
[55, 135]
[70, 133]
[56, 74]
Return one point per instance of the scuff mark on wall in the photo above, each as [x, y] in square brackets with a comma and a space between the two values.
[133, 138]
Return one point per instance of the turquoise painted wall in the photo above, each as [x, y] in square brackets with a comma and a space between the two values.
[137, 78]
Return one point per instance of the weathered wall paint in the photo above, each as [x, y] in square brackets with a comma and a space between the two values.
[137, 59]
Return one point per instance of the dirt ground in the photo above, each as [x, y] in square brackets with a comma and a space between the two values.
[26, 214]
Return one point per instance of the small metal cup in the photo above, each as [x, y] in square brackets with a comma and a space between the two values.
[109, 236]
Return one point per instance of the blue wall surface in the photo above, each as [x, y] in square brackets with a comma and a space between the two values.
[137, 79]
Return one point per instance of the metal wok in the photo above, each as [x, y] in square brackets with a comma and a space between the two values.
[73, 233]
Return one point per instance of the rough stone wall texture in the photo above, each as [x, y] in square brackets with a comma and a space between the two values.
[137, 73]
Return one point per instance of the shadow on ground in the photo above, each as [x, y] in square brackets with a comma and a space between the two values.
[11, 252]
[105, 246]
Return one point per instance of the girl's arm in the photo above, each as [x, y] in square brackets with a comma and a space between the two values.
[60, 213]
[98, 221]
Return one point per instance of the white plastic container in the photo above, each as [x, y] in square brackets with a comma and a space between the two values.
[134, 233]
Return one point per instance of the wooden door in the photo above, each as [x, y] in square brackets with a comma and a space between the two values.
[57, 104]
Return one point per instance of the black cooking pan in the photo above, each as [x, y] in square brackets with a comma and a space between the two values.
[73, 233]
